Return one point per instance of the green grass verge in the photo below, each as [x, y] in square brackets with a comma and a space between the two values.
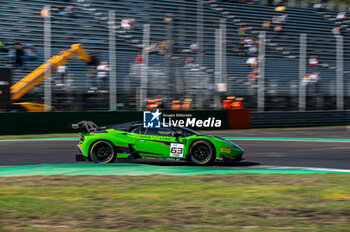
[166, 203]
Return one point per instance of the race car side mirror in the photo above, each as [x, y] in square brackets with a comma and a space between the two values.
[178, 135]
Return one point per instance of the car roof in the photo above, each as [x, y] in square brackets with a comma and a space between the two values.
[128, 125]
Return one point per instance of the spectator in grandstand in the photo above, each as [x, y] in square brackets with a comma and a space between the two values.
[45, 12]
[313, 80]
[252, 62]
[320, 6]
[278, 22]
[249, 46]
[102, 72]
[283, 18]
[29, 53]
[252, 50]
[266, 24]
[305, 81]
[278, 28]
[341, 16]
[168, 17]
[3, 47]
[279, 19]
[152, 48]
[125, 23]
[189, 63]
[314, 77]
[194, 46]
[253, 75]
[132, 22]
[163, 47]
[61, 73]
[68, 11]
[139, 59]
[240, 50]
[242, 29]
[313, 61]
[249, 41]
[337, 31]
[19, 54]
[11, 55]
[275, 19]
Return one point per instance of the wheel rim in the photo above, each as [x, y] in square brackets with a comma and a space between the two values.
[103, 152]
[202, 153]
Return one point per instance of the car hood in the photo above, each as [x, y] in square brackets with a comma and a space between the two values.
[230, 143]
[217, 137]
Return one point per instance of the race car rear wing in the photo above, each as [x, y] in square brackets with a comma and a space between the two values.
[85, 126]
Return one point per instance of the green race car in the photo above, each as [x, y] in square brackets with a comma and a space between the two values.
[105, 144]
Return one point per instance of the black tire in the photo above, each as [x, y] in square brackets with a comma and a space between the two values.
[202, 152]
[102, 151]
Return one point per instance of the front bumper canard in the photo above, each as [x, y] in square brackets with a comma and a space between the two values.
[232, 158]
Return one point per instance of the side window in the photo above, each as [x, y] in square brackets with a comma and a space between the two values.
[178, 131]
[185, 133]
[136, 129]
[159, 131]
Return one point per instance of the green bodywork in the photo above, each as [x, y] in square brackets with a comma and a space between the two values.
[156, 146]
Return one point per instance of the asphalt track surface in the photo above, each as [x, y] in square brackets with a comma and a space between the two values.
[257, 153]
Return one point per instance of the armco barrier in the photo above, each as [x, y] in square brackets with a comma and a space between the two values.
[299, 119]
[57, 122]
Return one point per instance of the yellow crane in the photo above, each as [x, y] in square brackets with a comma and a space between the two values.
[38, 75]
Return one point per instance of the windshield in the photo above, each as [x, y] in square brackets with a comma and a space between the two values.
[188, 132]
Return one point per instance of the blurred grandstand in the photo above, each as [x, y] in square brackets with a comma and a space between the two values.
[178, 24]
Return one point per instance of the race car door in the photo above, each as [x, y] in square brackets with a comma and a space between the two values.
[159, 142]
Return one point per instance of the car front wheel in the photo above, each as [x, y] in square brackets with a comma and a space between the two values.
[202, 153]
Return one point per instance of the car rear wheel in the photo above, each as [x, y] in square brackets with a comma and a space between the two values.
[102, 151]
[202, 152]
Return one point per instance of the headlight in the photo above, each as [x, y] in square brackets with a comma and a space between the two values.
[233, 146]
